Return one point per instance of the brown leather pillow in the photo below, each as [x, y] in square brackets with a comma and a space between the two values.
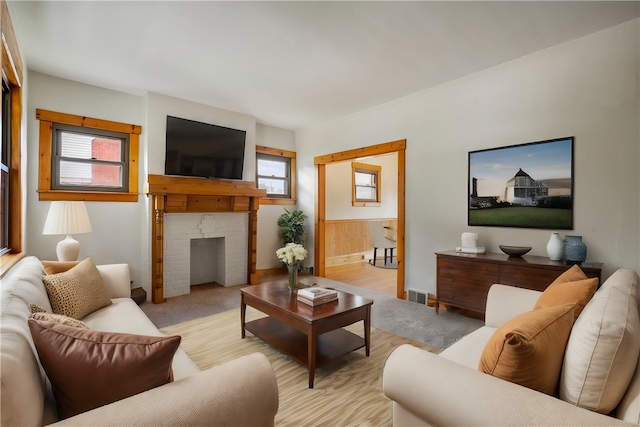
[88, 369]
[528, 349]
[55, 267]
[572, 286]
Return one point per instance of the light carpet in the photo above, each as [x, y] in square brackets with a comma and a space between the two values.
[347, 390]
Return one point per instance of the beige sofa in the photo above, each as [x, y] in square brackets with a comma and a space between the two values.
[448, 389]
[221, 395]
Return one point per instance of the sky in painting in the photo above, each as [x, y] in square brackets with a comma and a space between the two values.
[548, 160]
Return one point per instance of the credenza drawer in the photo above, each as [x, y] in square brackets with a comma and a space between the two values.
[464, 297]
[527, 277]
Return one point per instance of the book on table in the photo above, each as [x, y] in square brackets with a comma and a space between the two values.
[319, 300]
[315, 296]
[316, 292]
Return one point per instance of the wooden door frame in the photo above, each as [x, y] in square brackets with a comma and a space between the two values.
[321, 163]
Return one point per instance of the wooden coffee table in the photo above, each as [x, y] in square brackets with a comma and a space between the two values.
[310, 335]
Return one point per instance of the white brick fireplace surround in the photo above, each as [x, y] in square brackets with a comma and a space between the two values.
[223, 259]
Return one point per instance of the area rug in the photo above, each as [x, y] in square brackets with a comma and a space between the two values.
[347, 390]
[380, 263]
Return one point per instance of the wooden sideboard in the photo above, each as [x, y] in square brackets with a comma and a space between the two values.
[463, 280]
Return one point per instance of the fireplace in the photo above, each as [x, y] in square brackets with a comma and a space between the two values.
[201, 248]
[186, 208]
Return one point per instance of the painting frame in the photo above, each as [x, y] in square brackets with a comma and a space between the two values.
[528, 185]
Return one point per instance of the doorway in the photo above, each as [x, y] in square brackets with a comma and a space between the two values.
[321, 163]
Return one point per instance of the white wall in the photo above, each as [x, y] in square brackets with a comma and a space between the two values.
[587, 88]
[269, 239]
[340, 181]
[116, 235]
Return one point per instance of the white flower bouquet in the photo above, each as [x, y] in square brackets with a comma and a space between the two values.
[292, 254]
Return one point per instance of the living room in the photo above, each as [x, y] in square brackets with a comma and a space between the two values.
[581, 88]
[585, 87]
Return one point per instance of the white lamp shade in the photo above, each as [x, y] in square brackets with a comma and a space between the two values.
[67, 218]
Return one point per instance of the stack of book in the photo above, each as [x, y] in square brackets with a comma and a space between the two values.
[317, 296]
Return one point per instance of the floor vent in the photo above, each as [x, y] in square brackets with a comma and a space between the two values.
[415, 295]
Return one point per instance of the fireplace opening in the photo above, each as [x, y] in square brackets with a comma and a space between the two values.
[207, 261]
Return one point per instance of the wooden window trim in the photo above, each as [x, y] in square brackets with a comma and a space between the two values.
[13, 71]
[46, 193]
[367, 168]
[292, 160]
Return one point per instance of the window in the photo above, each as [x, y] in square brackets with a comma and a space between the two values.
[89, 161]
[11, 159]
[5, 154]
[82, 158]
[366, 184]
[275, 172]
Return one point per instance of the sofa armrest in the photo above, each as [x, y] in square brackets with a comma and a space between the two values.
[441, 392]
[506, 302]
[243, 391]
[116, 279]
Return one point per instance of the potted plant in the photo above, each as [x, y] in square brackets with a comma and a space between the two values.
[292, 226]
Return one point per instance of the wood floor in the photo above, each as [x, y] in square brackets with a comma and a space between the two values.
[365, 275]
[360, 274]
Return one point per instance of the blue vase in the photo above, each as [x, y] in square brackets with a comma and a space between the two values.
[575, 251]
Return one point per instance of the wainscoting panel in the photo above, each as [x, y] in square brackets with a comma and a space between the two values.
[348, 240]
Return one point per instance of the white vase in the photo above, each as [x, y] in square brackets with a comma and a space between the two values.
[555, 247]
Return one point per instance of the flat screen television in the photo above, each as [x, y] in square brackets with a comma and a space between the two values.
[204, 150]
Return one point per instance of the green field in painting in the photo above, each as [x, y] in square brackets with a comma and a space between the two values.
[518, 216]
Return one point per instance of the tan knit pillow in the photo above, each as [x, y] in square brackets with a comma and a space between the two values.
[78, 291]
[59, 318]
[33, 308]
[529, 348]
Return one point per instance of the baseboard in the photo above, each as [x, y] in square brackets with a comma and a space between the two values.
[344, 259]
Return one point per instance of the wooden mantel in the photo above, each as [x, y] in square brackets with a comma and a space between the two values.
[174, 194]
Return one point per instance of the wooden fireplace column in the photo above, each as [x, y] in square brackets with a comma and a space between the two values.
[175, 194]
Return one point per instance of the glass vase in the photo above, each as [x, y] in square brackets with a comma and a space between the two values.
[293, 278]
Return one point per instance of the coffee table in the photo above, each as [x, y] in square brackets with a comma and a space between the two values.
[310, 335]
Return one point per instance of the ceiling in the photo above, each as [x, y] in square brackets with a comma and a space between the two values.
[292, 64]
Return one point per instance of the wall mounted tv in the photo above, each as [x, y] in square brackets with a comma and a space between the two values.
[204, 150]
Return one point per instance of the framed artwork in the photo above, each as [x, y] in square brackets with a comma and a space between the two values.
[526, 185]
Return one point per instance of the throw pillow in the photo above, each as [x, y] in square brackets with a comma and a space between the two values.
[88, 369]
[572, 286]
[78, 291]
[59, 318]
[55, 267]
[602, 351]
[528, 349]
[33, 308]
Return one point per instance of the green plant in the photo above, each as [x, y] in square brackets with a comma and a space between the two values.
[292, 226]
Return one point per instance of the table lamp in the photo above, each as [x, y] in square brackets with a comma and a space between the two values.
[67, 218]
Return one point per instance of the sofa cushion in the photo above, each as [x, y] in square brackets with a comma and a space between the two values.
[22, 380]
[572, 286]
[78, 291]
[602, 351]
[528, 349]
[88, 369]
[55, 267]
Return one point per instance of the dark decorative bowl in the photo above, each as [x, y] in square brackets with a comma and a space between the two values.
[514, 251]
